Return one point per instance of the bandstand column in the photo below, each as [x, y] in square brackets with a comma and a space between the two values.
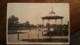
[48, 25]
[43, 25]
[61, 21]
[43, 22]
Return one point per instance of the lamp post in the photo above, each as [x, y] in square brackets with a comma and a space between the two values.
[61, 29]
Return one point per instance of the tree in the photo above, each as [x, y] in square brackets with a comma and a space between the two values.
[13, 22]
[48, 26]
[27, 24]
[32, 25]
[40, 25]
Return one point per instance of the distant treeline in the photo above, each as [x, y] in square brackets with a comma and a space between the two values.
[14, 24]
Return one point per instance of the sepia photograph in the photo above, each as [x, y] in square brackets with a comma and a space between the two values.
[38, 23]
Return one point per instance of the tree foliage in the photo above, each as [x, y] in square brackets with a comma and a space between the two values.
[13, 22]
[27, 24]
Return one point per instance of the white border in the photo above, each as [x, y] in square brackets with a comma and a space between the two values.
[36, 42]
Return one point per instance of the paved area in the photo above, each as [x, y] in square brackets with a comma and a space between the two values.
[26, 35]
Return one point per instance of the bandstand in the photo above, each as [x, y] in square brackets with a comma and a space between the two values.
[52, 16]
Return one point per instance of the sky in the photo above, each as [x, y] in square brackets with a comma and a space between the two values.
[33, 12]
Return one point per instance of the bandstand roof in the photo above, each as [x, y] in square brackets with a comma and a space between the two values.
[52, 15]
